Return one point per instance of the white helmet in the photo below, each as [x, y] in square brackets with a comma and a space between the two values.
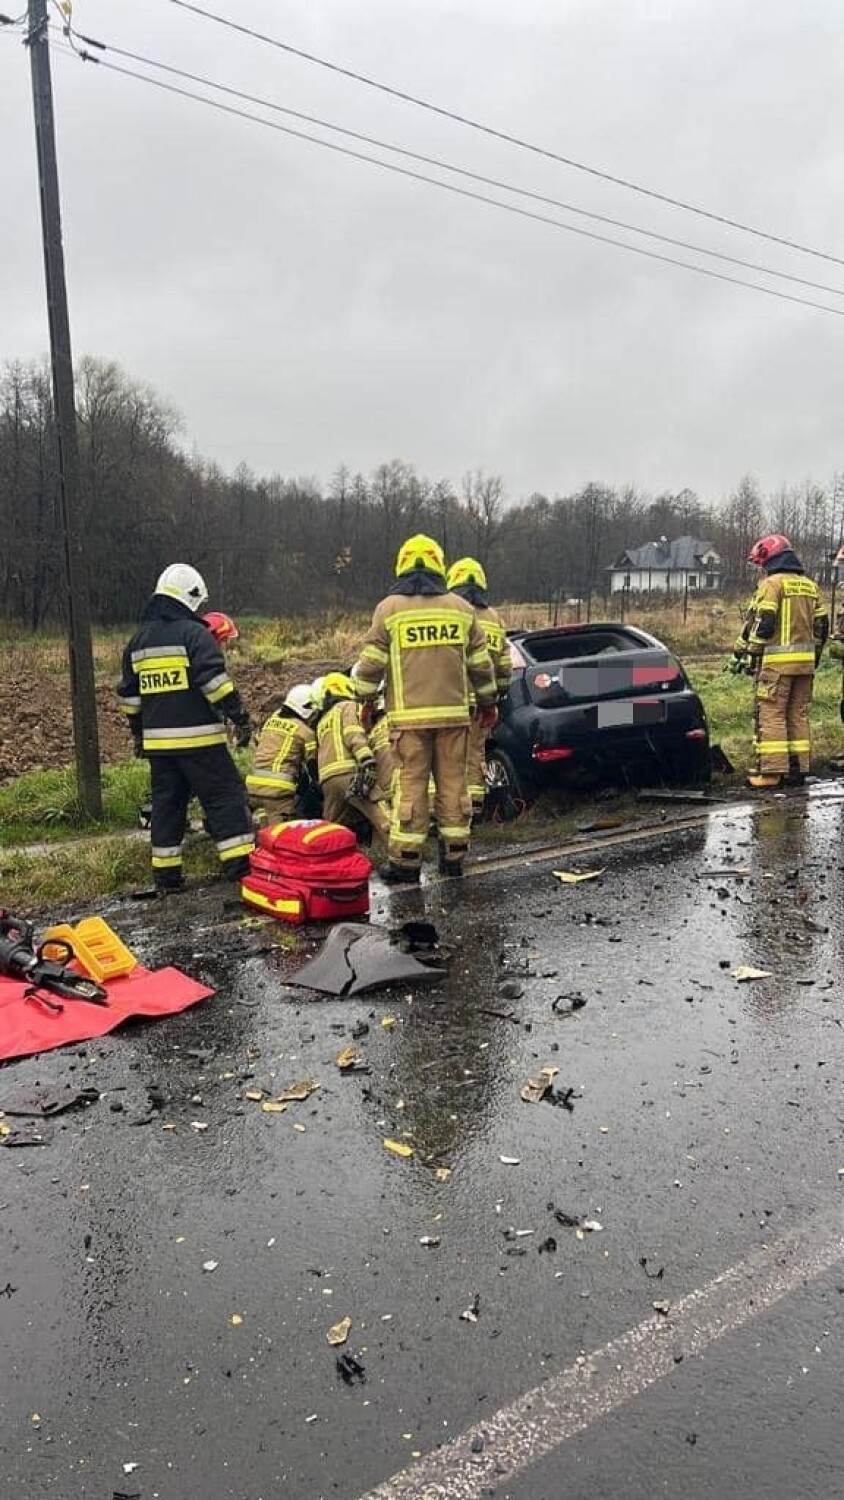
[317, 687]
[181, 581]
[300, 701]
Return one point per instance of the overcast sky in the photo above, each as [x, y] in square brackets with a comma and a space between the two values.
[303, 310]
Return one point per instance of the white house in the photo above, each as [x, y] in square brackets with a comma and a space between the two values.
[668, 567]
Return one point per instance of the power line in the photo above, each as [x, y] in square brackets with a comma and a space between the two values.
[501, 135]
[450, 187]
[442, 165]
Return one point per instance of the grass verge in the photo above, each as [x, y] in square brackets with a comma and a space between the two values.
[65, 878]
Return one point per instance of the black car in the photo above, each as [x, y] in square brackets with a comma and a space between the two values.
[596, 703]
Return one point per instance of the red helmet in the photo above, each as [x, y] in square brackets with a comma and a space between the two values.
[767, 548]
[222, 626]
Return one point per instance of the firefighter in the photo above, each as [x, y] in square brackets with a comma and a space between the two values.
[346, 764]
[430, 649]
[286, 744]
[836, 651]
[784, 634]
[376, 722]
[468, 579]
[176, 693]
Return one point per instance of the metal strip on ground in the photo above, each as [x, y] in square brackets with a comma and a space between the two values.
[591, 1389]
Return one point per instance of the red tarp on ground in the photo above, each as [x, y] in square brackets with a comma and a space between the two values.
[27, 1027]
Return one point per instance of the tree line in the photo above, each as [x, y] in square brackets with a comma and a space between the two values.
[285, 546]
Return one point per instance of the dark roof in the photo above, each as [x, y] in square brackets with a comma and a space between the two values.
[685, 553]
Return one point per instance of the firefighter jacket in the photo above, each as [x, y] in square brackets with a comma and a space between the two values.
[788, 620]
[495, 633]
[433, 653]
[285, 743]
[175, 689]
[342, 744]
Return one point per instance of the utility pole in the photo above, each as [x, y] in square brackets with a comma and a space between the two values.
[80, 651]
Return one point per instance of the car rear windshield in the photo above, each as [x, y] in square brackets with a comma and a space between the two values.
[564, 645]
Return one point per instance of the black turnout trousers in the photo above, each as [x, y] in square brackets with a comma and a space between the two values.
[212, 777]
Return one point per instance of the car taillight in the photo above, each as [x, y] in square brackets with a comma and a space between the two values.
[695, 734]
[561, 752]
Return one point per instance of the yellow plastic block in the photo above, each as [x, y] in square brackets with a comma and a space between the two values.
[102, 942]
[96, 948]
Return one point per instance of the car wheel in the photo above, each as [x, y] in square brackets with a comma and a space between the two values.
[503, 778]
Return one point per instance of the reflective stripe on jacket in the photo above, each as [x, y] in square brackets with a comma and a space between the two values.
[284, 744]
[432, 652]
[342, 745]
[789, 622]
[495, 634]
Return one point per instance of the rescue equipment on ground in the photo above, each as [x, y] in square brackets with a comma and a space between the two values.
[308, 870]
[96, 948]
[44, 976]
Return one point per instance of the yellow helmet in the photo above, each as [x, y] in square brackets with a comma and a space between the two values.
[420, 551]
[336, 685]
[466, 570]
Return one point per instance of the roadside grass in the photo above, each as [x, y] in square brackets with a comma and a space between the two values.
[43, 806]
[67, 877]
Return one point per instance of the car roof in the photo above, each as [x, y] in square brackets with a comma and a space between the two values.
[594, 627]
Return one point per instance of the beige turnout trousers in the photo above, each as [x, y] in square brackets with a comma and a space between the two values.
[336, 803]
[782, 721]
[424, 753]
[476, 766]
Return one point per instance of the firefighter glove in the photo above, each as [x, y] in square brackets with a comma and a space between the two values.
[735, 664]
[362, 784]
[242, 730]
[486, 716]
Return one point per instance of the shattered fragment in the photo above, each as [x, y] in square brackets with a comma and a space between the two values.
[348, 1058]
[535, 1089]
[663, 1307]
[570, 877]
[350, 1369]
[471, 1313]
[510, 1161]
[398, 1148]
[295, 1093]
[340, 1331]
[356, 958]
[431, 1239]
[548, 1247]
[273, 1107]
[747, 971]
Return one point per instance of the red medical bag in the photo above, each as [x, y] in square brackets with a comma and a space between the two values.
[308, 870]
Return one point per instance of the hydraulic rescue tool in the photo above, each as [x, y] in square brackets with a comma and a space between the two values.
[21, 959]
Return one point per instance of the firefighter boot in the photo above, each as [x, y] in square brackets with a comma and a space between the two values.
[765, 783]
[394, 874]
[447, 864]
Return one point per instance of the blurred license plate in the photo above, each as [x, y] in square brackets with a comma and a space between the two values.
[644, 711]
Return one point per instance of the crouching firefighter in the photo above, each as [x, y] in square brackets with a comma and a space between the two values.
[468, 579]
[784, 634]
[176, 694]
[428, 646]
[286, 744]
[347, 768]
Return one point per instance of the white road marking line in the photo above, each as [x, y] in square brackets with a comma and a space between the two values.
[591, 1389]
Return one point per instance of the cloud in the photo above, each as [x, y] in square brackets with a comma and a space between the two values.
[304, 310]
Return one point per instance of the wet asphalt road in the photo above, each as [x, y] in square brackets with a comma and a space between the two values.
[707, 1122]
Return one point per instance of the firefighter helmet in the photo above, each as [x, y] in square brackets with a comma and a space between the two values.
[301, 702]
[767, 548]
[420, 551]
[182, 582]
[466, 570]
[222, 626]
[336, 685]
